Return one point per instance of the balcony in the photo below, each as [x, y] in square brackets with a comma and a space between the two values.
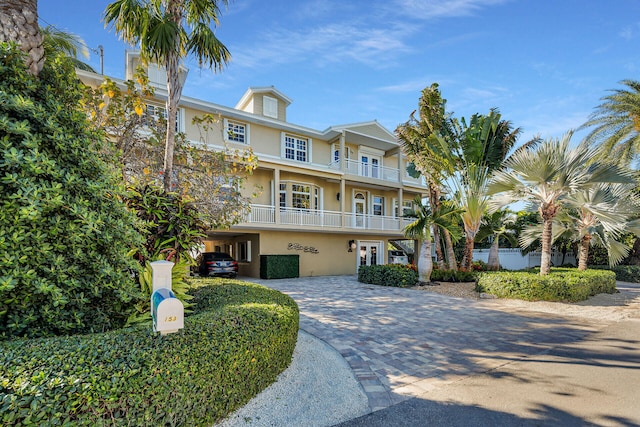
[368, 170]
[318, 219]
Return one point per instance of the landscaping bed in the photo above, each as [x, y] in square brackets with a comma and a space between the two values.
[239, 337]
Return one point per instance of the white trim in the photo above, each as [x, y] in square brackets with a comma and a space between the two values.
[225, 131]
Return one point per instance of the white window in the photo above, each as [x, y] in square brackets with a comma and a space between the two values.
[296, 148]
[236, 132]
[407, 208]
[244, 251]
[378, 205]
[335, 149]
[300, 196]
[154, 113]
[270, 107]
[283, 195]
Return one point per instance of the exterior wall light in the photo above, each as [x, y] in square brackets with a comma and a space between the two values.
[352, 245]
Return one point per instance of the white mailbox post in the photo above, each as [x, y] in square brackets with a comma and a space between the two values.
[167, 311]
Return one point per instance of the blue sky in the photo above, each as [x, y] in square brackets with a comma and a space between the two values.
[544, 64]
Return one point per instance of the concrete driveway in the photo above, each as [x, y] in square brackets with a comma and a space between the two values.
[424, 358]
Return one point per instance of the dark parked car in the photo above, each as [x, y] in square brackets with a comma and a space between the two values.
[218, 264]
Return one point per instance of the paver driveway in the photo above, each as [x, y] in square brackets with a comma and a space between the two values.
[402, 342]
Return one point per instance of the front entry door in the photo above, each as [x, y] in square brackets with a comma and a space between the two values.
[369, 253]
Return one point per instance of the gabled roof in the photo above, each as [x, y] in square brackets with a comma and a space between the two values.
[262, 89]
[371, 134]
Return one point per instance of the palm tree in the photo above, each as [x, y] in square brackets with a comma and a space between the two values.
[599, 215]
[497, 225]
[479, 148]
[56, 41]
[167, 31]
[547, 176]
[417, 139]
[428, 220]
[20, 25]
[617, 123]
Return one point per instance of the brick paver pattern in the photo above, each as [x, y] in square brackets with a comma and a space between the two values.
[400, 342]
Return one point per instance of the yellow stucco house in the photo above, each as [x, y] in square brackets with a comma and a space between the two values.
[336, 197]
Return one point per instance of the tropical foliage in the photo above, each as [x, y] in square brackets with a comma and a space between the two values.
[547, 177]
[212, 180]
[64, 231]
[422, 228]
[616, 123]
[166, 31]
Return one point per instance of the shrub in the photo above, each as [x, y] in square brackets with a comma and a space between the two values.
[64, 231]
[624, 273]
[438, 275]
[240, 337]
[397, 275]
[562, 284]
[279, 266]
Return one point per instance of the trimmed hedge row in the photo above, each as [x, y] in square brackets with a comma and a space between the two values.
[624, 273]
[562, 284]
[240, 337]
[397, 275]
[438, 275]
[279, 266]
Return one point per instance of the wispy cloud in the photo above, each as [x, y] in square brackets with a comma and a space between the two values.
[325, 45]
[630, 32]
[442, 8]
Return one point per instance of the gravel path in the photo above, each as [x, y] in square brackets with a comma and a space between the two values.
[317, 389]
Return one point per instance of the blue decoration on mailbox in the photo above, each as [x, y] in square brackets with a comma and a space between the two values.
[167, 311]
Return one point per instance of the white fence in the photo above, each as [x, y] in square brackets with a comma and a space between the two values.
[513, 259]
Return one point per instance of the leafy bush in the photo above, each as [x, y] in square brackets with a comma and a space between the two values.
[172, 228]
[240, 337]
[562, 284]
[624, 273]
[279, 266]
[438, 275]
[397, 275]
[64, 232]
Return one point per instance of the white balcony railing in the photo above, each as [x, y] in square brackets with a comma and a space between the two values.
[368, 170]
[262, 214]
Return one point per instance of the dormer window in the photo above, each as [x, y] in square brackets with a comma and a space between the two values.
[270, 106]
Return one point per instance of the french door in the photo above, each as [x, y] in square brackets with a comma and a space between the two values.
[370, 253]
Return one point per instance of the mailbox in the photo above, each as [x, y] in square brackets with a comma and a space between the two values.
[167, 311]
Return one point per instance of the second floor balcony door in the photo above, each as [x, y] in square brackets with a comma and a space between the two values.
[370, 166]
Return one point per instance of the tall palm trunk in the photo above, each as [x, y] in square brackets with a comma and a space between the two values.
[174, 92]
[467, 258]
[584, 252]
[547, 212]
[19, 23]
[434, 199]
[451, 254]
[425, 263]
[493, 261]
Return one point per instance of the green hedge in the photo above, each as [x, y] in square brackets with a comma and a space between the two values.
[438, 275]
[240, 337]
[562, 284]
[279, 266]
[397, 275]
[624, 273]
